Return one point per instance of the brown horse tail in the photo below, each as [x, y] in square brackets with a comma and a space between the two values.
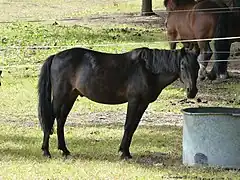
[45, 110]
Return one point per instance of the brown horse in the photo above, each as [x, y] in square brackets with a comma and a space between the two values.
[189, 20]
[136, 77]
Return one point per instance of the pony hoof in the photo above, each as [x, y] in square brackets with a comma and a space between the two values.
[212, 77]
[46, 154]
[126, 156]
[66, 154]
[202, 78]
[223, 76]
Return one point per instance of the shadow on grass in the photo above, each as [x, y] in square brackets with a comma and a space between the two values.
[148, 142]
[153, 147]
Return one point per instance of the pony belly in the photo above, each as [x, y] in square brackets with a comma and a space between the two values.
[109, 99]
[104, 96]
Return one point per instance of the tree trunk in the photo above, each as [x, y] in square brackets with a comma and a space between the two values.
[147, 8]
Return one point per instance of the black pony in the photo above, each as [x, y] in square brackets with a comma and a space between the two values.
[136, 77]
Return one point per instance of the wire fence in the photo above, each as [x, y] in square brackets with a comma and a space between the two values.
[19, 66]
[3, 50]
[212, 10]
[215, 10]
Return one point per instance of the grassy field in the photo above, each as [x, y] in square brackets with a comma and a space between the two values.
[33, 10]
[156, 148]
[95, 155]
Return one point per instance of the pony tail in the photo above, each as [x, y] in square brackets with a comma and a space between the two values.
[45, 110]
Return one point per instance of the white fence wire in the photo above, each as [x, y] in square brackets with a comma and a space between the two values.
[217, 10]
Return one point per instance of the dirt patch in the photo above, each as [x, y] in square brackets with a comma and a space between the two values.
[149, 118]
[134, 19]
[118, 117]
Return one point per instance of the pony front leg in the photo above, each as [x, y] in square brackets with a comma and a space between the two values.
[134, 115]
[62, 111]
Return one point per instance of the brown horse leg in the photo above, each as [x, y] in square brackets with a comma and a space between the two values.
[219, 69]
[62, 113]
[191, 46]
[172, 45]
[203, 58]
[187, 45]
[196, 48]
[134, 114]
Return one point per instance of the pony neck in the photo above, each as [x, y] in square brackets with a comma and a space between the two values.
[165, 79]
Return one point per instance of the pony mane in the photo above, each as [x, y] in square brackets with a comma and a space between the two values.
[164, 61]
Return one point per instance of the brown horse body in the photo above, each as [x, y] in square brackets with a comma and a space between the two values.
[190, 20]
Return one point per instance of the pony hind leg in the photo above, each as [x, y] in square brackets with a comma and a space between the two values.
[46, 137]
[45, 144]
[134, 114]
[62, 108]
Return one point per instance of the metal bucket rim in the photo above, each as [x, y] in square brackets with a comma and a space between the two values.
[212, 111]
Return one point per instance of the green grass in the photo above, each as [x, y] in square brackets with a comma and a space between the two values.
[156, 149]
[120, 39]
[59, 9]
[156, 155]
[29, 34]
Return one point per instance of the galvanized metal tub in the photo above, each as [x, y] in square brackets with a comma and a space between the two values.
[211, 137]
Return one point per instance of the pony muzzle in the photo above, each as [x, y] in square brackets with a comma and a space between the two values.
[192, 92]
